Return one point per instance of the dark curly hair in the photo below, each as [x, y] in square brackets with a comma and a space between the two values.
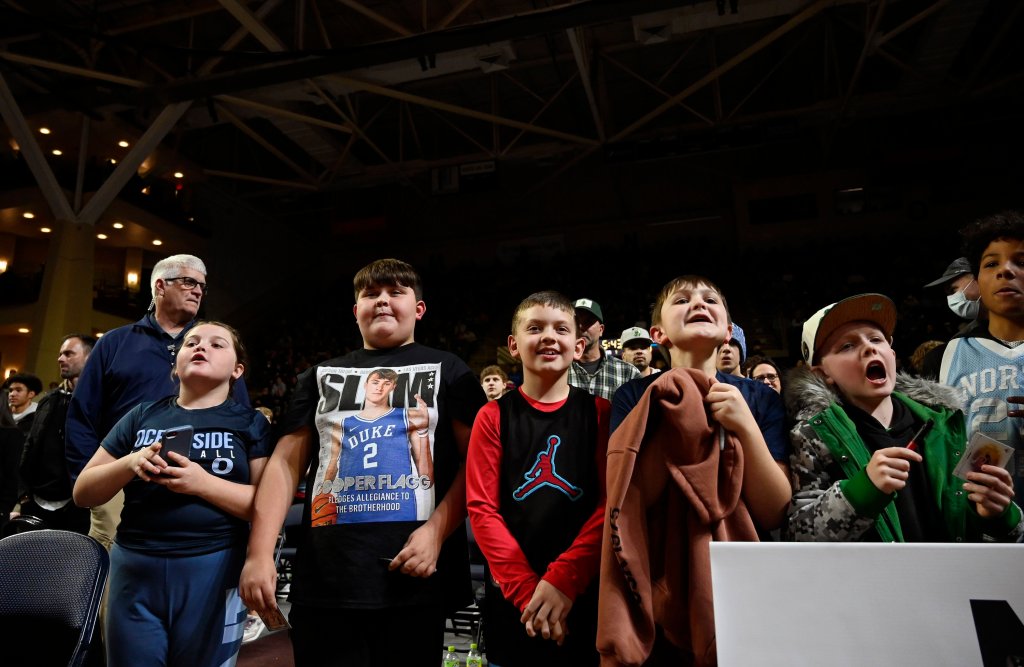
[980, 233]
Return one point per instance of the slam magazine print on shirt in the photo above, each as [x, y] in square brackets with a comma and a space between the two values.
[376, 429]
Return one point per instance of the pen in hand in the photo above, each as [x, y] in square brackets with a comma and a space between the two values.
[914, 444]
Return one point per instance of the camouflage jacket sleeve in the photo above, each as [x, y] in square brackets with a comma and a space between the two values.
[819, 511]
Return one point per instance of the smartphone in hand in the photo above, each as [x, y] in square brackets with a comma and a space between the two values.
[178, 440]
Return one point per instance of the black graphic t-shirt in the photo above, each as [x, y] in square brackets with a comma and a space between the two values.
[159, 521]
[384, 455]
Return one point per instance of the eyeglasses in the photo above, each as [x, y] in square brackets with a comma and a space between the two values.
[767, 377]
[188, 283]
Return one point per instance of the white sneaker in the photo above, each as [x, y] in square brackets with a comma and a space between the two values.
[253, 627]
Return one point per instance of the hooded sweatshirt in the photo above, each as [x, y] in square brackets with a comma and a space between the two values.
[674, 486]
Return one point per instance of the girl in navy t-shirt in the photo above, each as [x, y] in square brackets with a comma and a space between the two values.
[180, 546]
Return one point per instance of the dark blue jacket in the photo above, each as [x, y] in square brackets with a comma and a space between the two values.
[129, 365]
[766, 406]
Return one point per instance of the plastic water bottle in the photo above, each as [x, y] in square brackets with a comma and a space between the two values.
[451, 658]
[473, 658]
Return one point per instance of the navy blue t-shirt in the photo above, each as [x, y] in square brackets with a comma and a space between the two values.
[766, 406]
[159, 521]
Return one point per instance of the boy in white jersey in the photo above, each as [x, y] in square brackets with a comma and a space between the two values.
[987, 366]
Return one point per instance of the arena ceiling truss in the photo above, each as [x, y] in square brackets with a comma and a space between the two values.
[303, 97]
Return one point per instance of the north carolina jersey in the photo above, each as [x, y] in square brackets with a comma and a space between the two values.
[987, 373]
[377, 448]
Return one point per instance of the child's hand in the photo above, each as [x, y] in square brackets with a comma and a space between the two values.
[418, 558]
[419, 418]
[188, 478]
[146, 463]
[991, 490]
[546, 613]
[889, 468]
[729, 408]
[257, 584]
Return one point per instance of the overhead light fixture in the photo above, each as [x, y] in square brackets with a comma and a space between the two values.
[113, 161]
[157, 242]
[118, 225]
[145, 190]
[45, 230]
[57, 151]
[23, 329]
[101, 237]
[44, 130]
[123, 144]
[28, 215]
[178, 174]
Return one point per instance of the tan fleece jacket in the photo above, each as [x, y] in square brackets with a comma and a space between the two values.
[671, 491]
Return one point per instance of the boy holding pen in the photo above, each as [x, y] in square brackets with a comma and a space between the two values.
[871, 463]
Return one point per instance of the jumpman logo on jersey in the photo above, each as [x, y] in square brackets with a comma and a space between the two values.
[543, 474]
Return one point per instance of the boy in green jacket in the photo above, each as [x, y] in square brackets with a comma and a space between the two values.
[873, 464]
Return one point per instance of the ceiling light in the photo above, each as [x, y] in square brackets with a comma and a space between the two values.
[157, 242]
[44, 130]
[178, 174]
[118, 225]
[45, 230]
[101, 237]
[123, 144]
[113, 161]
[28, 215]
[23, 329]
[57, 151]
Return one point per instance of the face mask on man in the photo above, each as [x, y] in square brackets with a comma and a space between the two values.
[962, 306]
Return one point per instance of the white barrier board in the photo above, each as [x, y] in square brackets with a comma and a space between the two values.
[860, 604]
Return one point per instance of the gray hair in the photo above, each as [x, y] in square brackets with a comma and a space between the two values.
[173, 264]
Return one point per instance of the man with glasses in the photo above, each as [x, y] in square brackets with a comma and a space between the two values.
[131, 365]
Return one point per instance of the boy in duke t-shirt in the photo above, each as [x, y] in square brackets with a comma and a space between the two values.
[536, 493]
[363, 575]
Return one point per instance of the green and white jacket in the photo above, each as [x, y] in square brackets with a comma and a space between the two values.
[829, 507]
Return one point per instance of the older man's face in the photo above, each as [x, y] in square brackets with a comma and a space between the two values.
[175, 299]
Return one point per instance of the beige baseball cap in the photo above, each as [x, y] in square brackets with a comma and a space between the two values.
[875, 308]
[634, 333]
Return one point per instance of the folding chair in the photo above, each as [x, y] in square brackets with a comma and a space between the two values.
[51, 586]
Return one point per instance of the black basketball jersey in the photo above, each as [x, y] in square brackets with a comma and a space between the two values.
[550, 483]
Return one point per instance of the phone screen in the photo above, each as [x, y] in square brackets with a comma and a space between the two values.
[178, 440]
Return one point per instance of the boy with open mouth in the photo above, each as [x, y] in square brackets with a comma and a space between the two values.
[874, 452]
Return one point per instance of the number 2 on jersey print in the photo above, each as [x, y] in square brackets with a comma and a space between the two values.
[369, 452]
[990, 411]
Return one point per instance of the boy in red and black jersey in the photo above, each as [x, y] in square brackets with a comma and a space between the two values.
[535, 485]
